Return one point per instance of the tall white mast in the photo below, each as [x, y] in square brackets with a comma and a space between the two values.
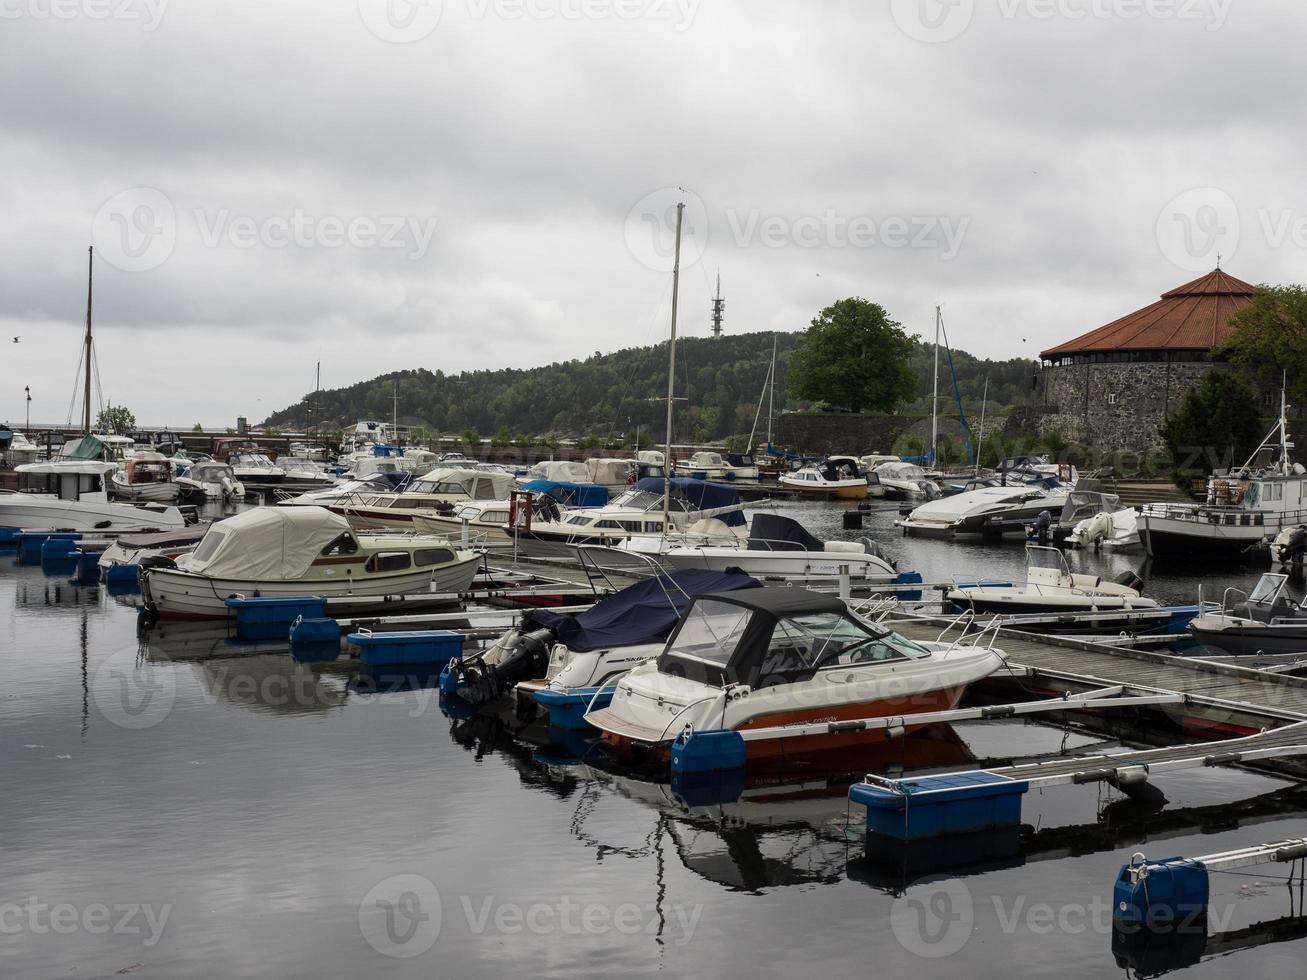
[771, 397]
[934, 401]
[671, 374]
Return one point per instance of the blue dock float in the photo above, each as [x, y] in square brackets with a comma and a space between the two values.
[407, 647]
[30, 544]
[567, 709]
[121, 573]
[9, 537]
[938, 806]
[88, 568]
[707, 751]
[270, 617]
[59, 554]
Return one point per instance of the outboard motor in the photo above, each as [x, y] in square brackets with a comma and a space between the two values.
[157, 561]
[1130, 580]
[520, 656]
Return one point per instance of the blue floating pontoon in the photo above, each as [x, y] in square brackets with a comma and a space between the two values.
[407, 647]
[933, 806]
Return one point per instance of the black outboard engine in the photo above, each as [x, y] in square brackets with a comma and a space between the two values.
[521, 656]
[1130, 580]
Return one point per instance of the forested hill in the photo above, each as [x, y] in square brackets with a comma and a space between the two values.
[720, 380]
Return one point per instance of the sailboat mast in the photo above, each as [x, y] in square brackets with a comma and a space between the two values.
[671, 372]
[394, 410]
[1284, 426]
[86, 390]
[984, 403]
[934, 400]
[771, 397]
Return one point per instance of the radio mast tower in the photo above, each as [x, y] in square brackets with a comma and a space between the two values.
[718, 307]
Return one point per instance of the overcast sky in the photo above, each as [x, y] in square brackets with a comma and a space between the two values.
[383, 184]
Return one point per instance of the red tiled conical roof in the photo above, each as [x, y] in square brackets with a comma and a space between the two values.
[1195, 316]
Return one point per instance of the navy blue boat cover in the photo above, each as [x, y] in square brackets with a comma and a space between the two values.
[571, 494]
[643, 613]
[701, 494]
[771, 532]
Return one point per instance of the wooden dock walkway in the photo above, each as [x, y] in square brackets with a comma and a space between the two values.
[1234, 698]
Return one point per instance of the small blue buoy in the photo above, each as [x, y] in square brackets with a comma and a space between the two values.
[1170, 890]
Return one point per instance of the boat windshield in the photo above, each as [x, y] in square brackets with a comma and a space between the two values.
[1046, 558]
[830, 640]
[711, 631]
[1268, 587]
[644, 500]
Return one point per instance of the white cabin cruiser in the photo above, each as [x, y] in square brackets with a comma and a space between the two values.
[1051, 587]
[777, 547]
[558, 471]
[718, 466]
[145, 476]
[255, 469]
[20, 450]
[210, 480]
[301, 551]
[760, 661]
[969, 514]
[300, 471]
[839, 476]
[70, 495]
[439, 491]
[903, 481]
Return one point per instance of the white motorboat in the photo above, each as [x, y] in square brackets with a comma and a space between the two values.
[637, 512]
[903, 481]
[210, 480]
[558, 471]
[71, 495]
[19, 451]
[301, 551]
[439, 492]
[132, 549]
[486, 522]
[1114, 527]
[777, 547]
[1268, 621]
[302, 472]
[970, 514]
[718, 466]
[1052, 587]
[839, 476]
[760, 661]
[569, 662]
[255, 469]
[145, 476]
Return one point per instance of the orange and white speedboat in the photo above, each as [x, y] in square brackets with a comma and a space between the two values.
[764, 661]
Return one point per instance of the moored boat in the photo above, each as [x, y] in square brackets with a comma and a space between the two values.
[301, 551]
[71, 495]
[760, 660]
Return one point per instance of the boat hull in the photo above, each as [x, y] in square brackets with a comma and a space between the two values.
[1170, 537]
[35, 512]
[174, 594]
[785, 564]
[1247, 640]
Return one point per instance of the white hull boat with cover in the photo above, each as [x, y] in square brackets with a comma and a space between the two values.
[571, 662]
[210, 481]
[903, 481]
[779, 547]
[439, 492]
[147, 476]
[968, 514]
[637, 512]
[301, 551]
[1051, 587]
[760, 661]
[75, 500]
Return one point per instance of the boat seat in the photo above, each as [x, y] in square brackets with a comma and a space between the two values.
[1086, 581]
[845, 548]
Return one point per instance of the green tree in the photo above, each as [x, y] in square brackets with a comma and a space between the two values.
[853, 356]
[472, 438]
[501, 438]
[1217, 426]
[1270, 339]
[115, 418]
[197, 427]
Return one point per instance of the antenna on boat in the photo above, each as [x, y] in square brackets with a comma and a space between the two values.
[671, 371]
[86, 391]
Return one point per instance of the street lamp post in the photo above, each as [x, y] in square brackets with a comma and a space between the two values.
[27, 390]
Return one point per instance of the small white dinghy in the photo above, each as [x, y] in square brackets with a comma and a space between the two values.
[1051, 587]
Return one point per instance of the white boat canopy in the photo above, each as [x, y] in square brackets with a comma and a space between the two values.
[267, 543]
[476, 484]
[57, 467]
[900, 471]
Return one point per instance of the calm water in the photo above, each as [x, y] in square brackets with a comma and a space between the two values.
[175, 805]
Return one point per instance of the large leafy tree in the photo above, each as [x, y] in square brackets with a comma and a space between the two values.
[1270, 339]
[1216, 426]
[115, 418]
[853, 356]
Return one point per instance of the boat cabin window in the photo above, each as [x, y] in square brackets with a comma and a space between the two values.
[208, 545]
[388, 561]
[655, 527]
[494, 516]
[579, 520]
[803, 645]
[346, 544]
[613, 525]
[709, 633]
[432, 556]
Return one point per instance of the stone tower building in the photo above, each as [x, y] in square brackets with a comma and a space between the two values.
[1113, 386]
